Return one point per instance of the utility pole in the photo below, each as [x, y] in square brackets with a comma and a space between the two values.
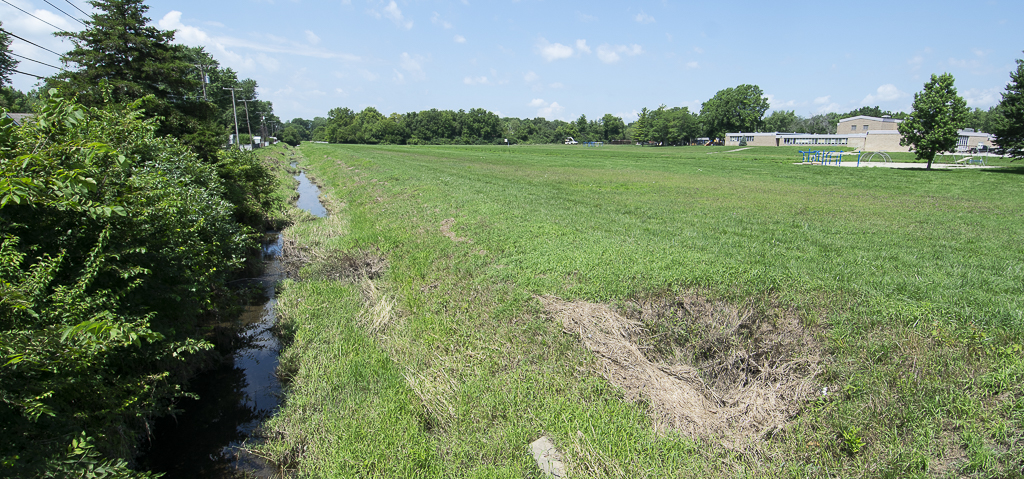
[202, 71]
[263, 130]
[247, 125]
[235, 111]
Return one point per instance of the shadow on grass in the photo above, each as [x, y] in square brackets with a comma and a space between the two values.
[1013, 170]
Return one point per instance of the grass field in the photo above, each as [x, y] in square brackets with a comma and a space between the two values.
[906, 286]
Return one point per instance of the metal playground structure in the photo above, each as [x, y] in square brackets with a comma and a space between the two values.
[817, 157]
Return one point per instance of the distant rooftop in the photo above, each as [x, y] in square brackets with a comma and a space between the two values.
[886, 118]
[21, 118]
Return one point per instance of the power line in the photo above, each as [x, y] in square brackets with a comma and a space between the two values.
[37, 61]
[29, 74]
[35, 17]
[30, 43]
[76, 7]
[65, 13]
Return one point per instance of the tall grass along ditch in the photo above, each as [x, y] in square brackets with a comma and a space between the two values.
[212, 435]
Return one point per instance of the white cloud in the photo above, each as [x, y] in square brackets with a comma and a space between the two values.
[610, 53]
[460, 39]
[972, 64]
[312, 38]
[393, 13]
[976, 98]
[556, 85]
[698, 49]
[224, 47]
[887, 92]
[553, 51]
[775, 103]
[828, 108]
[915, 62]
[480, 80]
[268, 62]
[399, 77]
[545, 109]
[413, 65]
[437, 20]
[581, 45]
[821, 100]
[530, 76]
[368, 75]
[692, 65]
[643, 18]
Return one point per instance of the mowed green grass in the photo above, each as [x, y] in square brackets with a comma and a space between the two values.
[912, 279]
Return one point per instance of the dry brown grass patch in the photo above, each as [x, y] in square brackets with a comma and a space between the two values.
[707, 368]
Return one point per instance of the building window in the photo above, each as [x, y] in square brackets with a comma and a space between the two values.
[853, 127]
[749, 138]
[865, 128]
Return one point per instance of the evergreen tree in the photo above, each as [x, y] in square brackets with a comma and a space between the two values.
[135, 59]
[642, 127]
[1008, 119]
[938, 112]
[7, 62]
[122, 57]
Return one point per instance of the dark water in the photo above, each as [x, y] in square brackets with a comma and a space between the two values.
[206, 439]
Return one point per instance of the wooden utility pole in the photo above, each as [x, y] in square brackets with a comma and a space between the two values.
[235, 111]
[202, 73]
[247, 125]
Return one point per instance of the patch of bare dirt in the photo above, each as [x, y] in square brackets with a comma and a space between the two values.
[446, 229]
[707, 368]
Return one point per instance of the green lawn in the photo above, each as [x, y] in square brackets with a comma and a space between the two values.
[447, 364]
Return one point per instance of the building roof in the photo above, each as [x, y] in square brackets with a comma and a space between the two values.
[21, 118]
[802, 135]
[974, 133]
[873, 118]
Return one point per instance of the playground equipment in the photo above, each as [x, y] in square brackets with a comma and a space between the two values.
[594, 143]
[881, 154]
[962, 157]
[817, 157]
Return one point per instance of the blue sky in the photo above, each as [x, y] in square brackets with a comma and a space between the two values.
[531, 58]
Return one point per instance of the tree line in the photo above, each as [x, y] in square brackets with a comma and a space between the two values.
[124, 223]
[739, 109]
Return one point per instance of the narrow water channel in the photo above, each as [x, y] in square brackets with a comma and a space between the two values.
[236, 396]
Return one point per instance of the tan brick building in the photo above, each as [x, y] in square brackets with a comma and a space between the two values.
[864, 133]
[863, 123]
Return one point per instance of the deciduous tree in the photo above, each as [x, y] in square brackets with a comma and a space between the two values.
[614, 127]
[734, 109]
[938, 112]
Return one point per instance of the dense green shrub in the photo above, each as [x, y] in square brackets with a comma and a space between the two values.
[115, 244]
